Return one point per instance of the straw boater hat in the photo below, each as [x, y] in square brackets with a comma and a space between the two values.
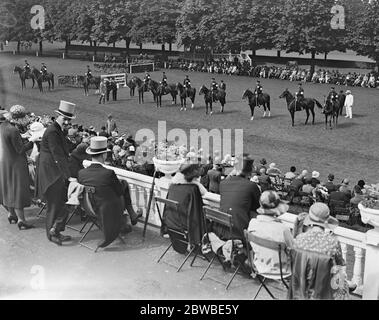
[98, 145]
[319, 214]
[271, 204]
[37, 130]
[315, 174]
[66, 109]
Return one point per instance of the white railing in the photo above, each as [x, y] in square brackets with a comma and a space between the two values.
[353, 243]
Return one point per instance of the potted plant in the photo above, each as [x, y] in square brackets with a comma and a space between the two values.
[168, 158]
[369, 208]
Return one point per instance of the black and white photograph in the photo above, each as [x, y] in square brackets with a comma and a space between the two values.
[189, 156]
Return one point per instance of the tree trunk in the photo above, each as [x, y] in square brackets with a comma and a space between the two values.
[40, 47]
[114, 44]
[170, 46]
[278, 53]
[95, 49]
[140, 46]
[18, 46]
[313, 62]
[326, 56]
[66, 47]
[377, 65]
[127, 45]
[254, 52]
[90, 43]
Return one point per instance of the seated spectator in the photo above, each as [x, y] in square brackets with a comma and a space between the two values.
[256, 181]
[296, 185]
[182, 178]
[273, 170]
[357, 195]
[262, 164]
[330, 185]
[344, 187]
[214, 177]
[291, 174]
[314, 180]
[340, 196]
[317, 240]
[103, 132]
[268, 227]
[240, 198]
[307, 187]
[75, 161]
[264, 180]
[190, 216]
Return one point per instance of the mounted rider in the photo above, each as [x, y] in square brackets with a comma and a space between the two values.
[214, 88]
[187, 82]
[27, 68]
[43, 70]
[223, 85]
[299, 96]
[332, 97]
[164, 79]
[89, 73]
[258, 89]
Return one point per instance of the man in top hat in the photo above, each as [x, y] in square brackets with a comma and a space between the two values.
[349, 101]
[111, 125]
[53, 172]
[111, 196]
[240, 198]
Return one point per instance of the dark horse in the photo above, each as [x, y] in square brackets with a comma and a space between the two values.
[87, 81]
[219, 95]
[185, 93]
[331, 111]
[23, 76]
[208, 98]
[160, 90]
[141, 87]
[306, 104]
[254, 100]
[49, 78]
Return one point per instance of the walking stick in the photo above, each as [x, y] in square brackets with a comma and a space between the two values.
[149, 205]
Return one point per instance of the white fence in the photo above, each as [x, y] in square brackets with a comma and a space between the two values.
[353, 243]
[119, 78]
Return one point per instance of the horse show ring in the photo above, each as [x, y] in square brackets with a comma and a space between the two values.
[351, 150]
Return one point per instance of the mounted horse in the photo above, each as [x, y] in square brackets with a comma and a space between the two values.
[159, 90]
[257, 100]
[331, 111]
[185, 93]
[306, 104]
[23, 76]
[208, 98]
[141, 87]
[219, 95]
[49, 78]
[87, 81]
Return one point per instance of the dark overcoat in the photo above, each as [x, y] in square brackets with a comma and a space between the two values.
[107, 205]
[53, 159]
[14, 173]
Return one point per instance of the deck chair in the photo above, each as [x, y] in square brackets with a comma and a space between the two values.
[280, 247]
[225, 220]
[92, 219]
[178, 238]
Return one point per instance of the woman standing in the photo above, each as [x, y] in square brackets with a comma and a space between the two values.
[14, 174]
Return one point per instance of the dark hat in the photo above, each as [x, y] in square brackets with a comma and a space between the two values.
[331, 176]
[247, 165]
[271, 204]
[300, 83]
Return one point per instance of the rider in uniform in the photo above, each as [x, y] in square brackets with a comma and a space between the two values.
[44, 69]
[27, 67]
[333, 95]
[187, 82]
[299, 95]
[258, 89]
[88, 73]
[214, 88]
[223, 85]
[164, 79]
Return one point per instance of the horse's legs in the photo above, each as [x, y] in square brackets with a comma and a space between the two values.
[252, 112]
[264, 110]
[206, 107]
[307, 111]
[293, 117]
[313, 116]
[210, 106]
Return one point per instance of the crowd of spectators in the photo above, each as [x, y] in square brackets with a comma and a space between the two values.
[283, 72]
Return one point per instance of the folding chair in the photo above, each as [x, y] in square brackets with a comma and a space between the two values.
[71, 215]
[86, 203]
[225, 220]
[280, 247]
[181, 236]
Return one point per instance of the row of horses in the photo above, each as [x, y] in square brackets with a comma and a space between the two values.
[36, 76]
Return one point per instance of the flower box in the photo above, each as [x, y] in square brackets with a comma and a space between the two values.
[166, 166]
[369, 215]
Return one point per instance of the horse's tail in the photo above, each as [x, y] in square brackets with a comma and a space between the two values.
[268, 102]
[318, 104]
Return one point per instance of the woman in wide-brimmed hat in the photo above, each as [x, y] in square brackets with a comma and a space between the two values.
[14, 174]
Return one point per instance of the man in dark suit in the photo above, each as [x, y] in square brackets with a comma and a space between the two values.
[111, 196]
[240, 198]
[53, 172]
[114, 89]
[214, 176]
